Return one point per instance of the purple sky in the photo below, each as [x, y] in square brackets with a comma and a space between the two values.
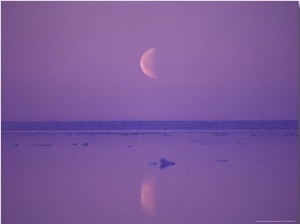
[215, 60]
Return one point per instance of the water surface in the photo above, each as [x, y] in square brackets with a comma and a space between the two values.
[226, 177]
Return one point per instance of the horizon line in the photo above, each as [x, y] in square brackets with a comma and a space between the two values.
[124, 125]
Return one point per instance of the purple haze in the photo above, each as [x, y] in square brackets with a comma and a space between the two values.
[216, 60]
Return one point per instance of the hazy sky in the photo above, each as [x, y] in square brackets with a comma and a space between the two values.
[214, 61]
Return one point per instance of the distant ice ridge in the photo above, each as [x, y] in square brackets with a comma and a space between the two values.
[150, 125]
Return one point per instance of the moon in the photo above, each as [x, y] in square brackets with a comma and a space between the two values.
[148, 63]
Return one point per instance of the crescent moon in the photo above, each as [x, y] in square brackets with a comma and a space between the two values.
[148, 63]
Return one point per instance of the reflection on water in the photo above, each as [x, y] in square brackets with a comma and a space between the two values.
[148, 196]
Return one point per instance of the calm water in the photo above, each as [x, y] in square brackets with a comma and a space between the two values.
[226, 177]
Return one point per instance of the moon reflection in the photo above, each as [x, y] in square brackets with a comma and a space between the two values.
[148, 196]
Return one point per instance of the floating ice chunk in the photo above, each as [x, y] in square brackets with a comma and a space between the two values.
[165, 163]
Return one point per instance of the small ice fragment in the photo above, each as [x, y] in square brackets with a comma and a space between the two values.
[14, 145]
[221, 160]
[41, 145]
[152, 163]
